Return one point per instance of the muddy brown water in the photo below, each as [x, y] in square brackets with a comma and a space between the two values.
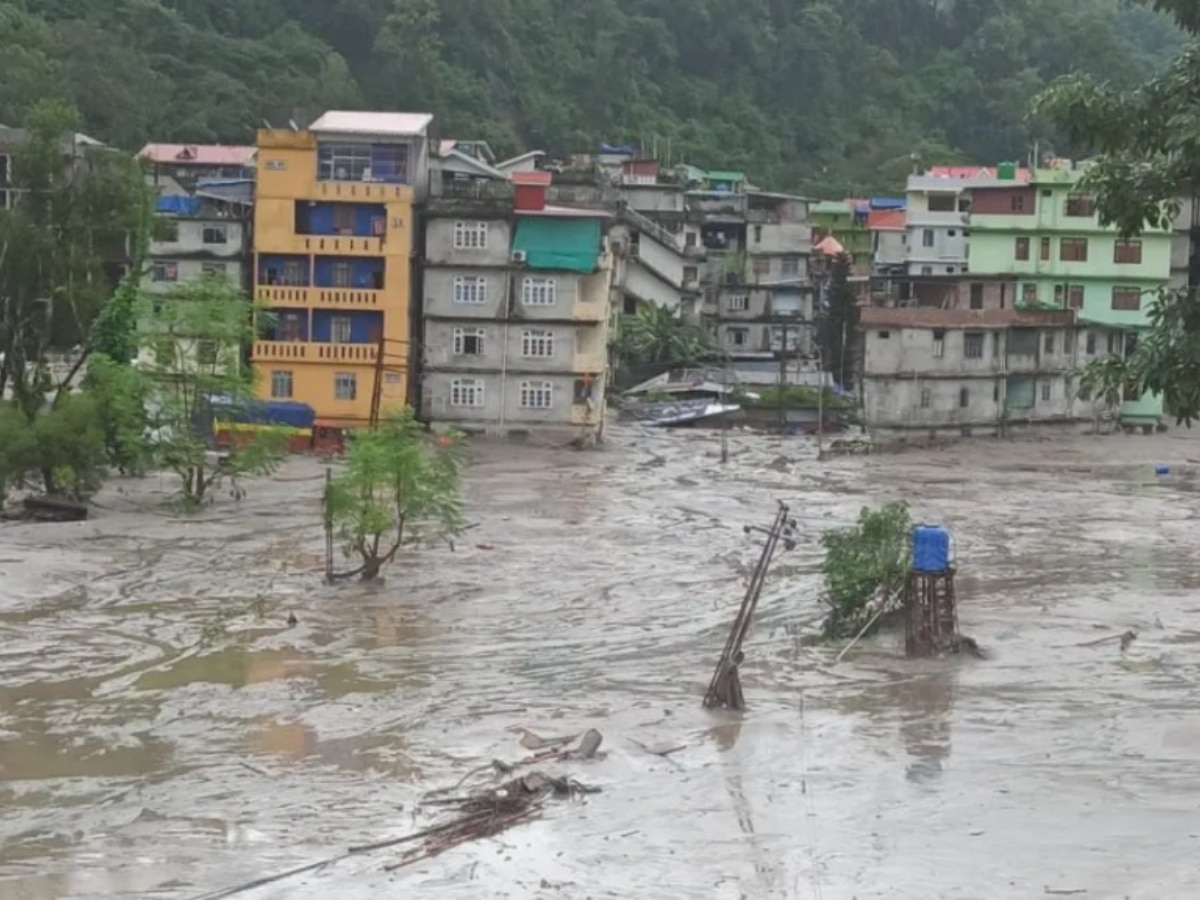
[163, 733]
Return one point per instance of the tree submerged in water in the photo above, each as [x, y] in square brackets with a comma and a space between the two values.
[401, 485]
[865, 567]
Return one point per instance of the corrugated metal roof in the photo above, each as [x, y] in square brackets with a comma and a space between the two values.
[886, 220]
[198, 154]
[916, 317]
[397, 124]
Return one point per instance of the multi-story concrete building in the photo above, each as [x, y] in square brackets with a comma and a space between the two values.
[189, 163]
[934, 371]
[1046, 237]
[334, 235]
[516, 311]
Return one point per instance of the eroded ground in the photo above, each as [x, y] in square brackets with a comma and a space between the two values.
[163, 733]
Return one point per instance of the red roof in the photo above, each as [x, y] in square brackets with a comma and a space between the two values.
[886, 220]
[198, 154]
[533, 179]
[929, 317]
[830, 246]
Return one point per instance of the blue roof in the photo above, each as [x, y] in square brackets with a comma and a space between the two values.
[888, 203]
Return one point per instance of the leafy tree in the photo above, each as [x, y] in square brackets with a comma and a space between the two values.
[1105, 382]
[837, 331]
[192, 342]
[865, 564]
[656, 334]
[400, 485]
[1144, 160]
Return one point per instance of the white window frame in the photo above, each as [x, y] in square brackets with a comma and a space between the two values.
[460, 337]
[341, 330]
[538, 290]
[219, 231]
[789, 266]
[537, 343]
[342, 380]
[737, 302]
[466, 392]
[279, 379]
[470, 289]
[537, 395]
[470, 235]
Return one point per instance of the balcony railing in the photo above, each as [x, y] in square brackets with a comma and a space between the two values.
[307, 351]
[336, 244]
[274, 295]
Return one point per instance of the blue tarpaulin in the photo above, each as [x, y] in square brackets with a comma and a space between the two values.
[256, 412]
[177, 206]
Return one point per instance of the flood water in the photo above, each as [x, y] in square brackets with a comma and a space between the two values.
[164, 733]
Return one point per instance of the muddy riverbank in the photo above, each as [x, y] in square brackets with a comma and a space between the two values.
[164, 732]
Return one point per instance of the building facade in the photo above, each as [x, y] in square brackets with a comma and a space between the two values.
[334, 236]
[516, 312]
[1047, 238]
[933, 372]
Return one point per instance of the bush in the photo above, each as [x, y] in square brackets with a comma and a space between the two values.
[865, 564]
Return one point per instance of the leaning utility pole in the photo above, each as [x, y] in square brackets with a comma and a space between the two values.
[725, 689]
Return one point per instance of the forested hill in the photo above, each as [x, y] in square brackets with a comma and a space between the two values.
[829, 96]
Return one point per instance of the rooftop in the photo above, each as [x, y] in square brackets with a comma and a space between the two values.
[375, 124]
[198, 154]
[925, 317]
[886, 220]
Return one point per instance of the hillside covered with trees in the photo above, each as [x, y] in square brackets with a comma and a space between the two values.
[827, 96]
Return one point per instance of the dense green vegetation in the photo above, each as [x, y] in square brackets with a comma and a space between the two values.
[829, 96]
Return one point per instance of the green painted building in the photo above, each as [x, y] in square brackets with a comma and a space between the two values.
[846, 222]
[1046, 237]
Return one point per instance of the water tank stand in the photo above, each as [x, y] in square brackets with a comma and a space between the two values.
[930, 614]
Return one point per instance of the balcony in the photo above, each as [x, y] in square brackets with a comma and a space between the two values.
[361, 191]
[308, 297]
[308, 352]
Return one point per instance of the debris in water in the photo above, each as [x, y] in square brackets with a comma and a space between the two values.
[725, 689]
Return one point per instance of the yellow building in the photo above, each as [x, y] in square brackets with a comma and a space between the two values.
[333, 242]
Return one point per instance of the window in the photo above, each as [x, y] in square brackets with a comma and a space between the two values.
[470, 235]
[1017, 203]
[1114, 342]
[468, 341]
[1048, 344]
[470, 289]
[1074, 296]
[1046, 392]
[206, 353]
[215, 234]
[1003, 294]
[1068, 342]
[941, 202]
[165, 271]
[1073, 250]
[973, 345]
[1091, 343]
[537, 343]
[758, 234]
[1022, 249]
[1045, 250]
[538, 291]
[691, 273]
[340, 328]
[762, 265]
[466, 392]
[1029, 293]
[1127, 252]
[790, 265]
[291, 327]
[1080, 206]
[976, 295]
[927, 237]
[343, 162]
[926, 270]
[949, 270]
[537, 395]
[738, 336]
[737, 302]
[884, 335]
[345, 386]
[964, 397]
[1126, 299]
[211, 269]
[939, 343]
[342, 275]
[5, 162]
[295, 273]
[951, 233]
[964, 203]
[689, 239]
[281, 384]
[926, 398]
[343, 218]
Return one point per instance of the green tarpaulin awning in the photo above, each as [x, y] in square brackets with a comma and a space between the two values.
[556, 242]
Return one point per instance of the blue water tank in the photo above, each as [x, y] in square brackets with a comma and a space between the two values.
[933, 549]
